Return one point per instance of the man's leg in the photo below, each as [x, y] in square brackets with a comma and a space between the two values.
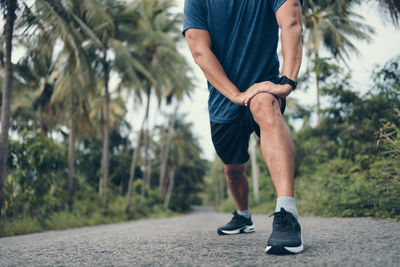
[276, 142]
[278, 152]
[238, 184]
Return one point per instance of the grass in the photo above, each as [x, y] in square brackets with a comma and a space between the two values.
[66, 220]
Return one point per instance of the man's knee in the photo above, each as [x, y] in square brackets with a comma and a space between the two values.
[265, 109]
[234, 172]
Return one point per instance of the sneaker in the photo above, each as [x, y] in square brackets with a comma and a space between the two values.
[286, 234]
[238, 225]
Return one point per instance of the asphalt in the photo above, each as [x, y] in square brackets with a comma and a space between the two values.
[191, 240]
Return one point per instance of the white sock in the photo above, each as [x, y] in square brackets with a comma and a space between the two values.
[288, 203]
[244, 213]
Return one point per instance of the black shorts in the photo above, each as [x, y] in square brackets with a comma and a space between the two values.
[231, 140]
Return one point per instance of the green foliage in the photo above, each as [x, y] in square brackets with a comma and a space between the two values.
[344, 188]
[36, 164]
[340, 169]
[36, 186]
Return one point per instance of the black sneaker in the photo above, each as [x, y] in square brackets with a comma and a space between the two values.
[286, 234]
[238, 225]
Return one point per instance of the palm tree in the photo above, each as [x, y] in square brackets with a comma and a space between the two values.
[111, 22]
[331, 24]
[34, 82]
[184, 165]
[59, 21]
[153, 44]
[10, 7]
[97, 15]
[184, 86]
[393, 7]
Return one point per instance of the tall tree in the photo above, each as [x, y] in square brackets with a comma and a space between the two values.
[331, 24]
[99, 16]
[166, 148]
[185, 168]
[156, 42]
[61, 22]
[9, 7]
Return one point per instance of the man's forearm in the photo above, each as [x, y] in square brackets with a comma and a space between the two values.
[216, 75]
[292, 51]
[292, 55]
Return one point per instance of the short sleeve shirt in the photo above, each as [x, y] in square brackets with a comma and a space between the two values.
[244, 38]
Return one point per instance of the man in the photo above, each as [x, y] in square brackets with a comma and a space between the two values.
[234, 42]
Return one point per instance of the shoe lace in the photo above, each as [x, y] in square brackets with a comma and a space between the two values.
[283, 220]
[235, 217]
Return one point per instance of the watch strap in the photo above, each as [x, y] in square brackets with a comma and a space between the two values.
[286, 80]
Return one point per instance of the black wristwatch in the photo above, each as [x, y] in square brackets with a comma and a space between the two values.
[286, 80]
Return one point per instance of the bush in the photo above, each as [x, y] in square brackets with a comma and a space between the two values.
[35, 165]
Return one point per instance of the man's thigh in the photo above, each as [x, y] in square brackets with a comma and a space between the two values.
[231, 140]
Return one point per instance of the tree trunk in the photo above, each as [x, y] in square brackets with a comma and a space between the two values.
[133, 168]
[165, 152]
[146, 165]
[170, 187]
[255, 170]
[318, 102]
[126, 154]
[148, 168]
[106, 134]
[163, 141]
[147, 173]
[101, 119]
[6, 101]
[71, 161]
[318, 88]
[146, 143]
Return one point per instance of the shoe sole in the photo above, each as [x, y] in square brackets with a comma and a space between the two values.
[280, 250]
[244, 230]
[285, 250]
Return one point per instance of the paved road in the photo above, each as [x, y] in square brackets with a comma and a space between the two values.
[192, 240]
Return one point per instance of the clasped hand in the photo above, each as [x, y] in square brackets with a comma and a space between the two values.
[279, 90]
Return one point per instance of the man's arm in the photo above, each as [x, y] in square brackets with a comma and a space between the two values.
[200, 45]
[289, 20]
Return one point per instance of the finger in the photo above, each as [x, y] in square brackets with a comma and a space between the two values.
[248, 100]
[252, 96]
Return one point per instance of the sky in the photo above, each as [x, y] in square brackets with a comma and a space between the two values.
[384, 46]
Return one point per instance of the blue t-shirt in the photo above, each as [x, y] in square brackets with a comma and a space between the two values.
[244, 38]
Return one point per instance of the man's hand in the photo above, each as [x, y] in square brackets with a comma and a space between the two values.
[279, 90]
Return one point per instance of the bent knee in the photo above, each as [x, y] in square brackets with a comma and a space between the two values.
[265, 109]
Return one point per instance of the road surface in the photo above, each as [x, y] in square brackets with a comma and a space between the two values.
[191, 240]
